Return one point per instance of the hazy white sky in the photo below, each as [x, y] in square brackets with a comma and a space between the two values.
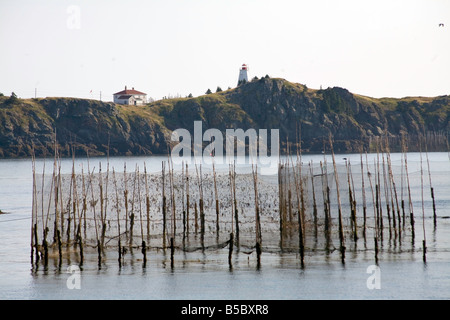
[166, 47]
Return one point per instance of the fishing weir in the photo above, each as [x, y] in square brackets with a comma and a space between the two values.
[332, 207]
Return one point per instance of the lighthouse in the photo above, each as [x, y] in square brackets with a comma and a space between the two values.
[243, 78]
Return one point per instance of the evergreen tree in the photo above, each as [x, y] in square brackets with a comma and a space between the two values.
[13, 98]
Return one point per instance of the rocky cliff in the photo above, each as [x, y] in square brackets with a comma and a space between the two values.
[83, 126]
[95, 127]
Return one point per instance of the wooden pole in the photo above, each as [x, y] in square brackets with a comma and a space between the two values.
[118, 220]
[369, 174]
[424, 246]
[58, 234]
[217, 200]
[188, 204]
[281, 201]
[93, 204]
[297, 177]
[431, 186]
[386, 197]
[325, 198]
[44, 226]
[391, 177]
[341, 230]
[236, 211]
[257, 216]
[230, 250]
[78, 236]
[143, 243]
[132, 215]
[200, 204]
[34, 213]
[172, 250]
[125, 196]
[144, 254]
[84, 194]
[182, 202]
[233, 203]
[258, 254]
[164, 200]
[363, 196]
[36, 243]
[195, 218]
[380, 208]
[352, 202]
[411, 211]
[311, 172]
[102, 207]
[147, 202]
[172, 197]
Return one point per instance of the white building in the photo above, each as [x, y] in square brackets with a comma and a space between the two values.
[243, 77]
[130, 97]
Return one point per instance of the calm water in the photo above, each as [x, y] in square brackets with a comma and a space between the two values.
[403, 275]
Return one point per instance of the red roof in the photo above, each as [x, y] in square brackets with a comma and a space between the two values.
[128, 91]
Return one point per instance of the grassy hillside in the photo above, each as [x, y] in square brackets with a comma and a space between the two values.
[94, 127]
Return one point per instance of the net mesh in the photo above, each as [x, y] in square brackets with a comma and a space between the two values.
[135, 206]
[198, 208]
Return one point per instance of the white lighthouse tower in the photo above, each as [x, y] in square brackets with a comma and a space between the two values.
[243, 78]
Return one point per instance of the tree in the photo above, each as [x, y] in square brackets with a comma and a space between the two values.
[1, 94]
[240, 82]
[208, 91]
[190, 95]
[255, 78]
[219, 89]
[13, 98]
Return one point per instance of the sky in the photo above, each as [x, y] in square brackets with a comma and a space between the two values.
[94, 48]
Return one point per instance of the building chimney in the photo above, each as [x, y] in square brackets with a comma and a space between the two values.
[132, 88]
[125, 87]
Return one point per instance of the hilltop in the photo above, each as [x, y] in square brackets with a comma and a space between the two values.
[88, 126]
[97, 127]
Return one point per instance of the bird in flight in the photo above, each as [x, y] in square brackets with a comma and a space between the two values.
[441, 24]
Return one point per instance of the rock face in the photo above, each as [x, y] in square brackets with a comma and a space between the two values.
[353, 121]
[96, 128]
[83, 126]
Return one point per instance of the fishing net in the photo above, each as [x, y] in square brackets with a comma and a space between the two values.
[105, 207]
[198, 208]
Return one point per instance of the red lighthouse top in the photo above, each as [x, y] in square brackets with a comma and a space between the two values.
[244, 67]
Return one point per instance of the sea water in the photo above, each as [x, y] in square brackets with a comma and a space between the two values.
[401, 272]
